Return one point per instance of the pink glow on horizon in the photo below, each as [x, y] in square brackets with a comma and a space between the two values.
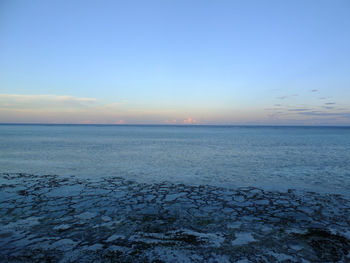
[189, 120]
[120, 122]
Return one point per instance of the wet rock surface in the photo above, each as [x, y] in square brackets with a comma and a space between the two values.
[65, 219]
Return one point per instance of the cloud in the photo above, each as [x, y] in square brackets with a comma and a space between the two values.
[314, 90]
[287, 96]
[189, 120]
[120, 122]
[171, 121]
[87, 122]
[282, 97]
[299, 109]
[18, 101]
[61, 109]
[18, 108]
[115, 104]
[327, 114]
[274, 109]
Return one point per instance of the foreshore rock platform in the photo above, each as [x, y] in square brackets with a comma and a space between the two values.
[50, 218]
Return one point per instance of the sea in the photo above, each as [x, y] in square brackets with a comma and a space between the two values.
[272, 157]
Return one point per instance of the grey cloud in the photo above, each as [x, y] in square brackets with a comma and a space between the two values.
[326, 114]
[299, 109]
[330, 103]
[287, 96]
[273, 109]
[282, 97]
[314, 90]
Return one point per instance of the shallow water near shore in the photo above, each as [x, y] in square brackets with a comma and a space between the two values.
[275, 158]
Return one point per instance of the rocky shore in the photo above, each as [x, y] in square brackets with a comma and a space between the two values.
[66, 219]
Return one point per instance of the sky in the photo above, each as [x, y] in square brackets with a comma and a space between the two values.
[233, 62]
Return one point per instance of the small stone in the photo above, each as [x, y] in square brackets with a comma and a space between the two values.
[95, 247]
[172, 197]
[114, 237]
[242, 239]
[262, 202]
[106, 218]
[64, 244]
[62, 227]
[85, 216]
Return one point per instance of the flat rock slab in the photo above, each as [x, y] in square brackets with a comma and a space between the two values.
[64, 219]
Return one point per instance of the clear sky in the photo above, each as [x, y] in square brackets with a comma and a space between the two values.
[182, 61]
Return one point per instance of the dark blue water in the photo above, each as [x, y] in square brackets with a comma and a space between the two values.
[312, 158]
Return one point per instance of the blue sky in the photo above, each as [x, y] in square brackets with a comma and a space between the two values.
[203, 62]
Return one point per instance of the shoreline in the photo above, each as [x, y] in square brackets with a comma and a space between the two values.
[68, 219]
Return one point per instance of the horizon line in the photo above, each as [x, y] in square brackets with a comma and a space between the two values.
[178, 125]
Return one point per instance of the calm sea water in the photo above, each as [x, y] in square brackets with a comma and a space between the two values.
[311, 158]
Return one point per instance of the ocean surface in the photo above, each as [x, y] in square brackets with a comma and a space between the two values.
[306, 158]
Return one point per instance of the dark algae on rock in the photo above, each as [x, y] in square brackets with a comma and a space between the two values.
[327, 246]
[51, 218]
